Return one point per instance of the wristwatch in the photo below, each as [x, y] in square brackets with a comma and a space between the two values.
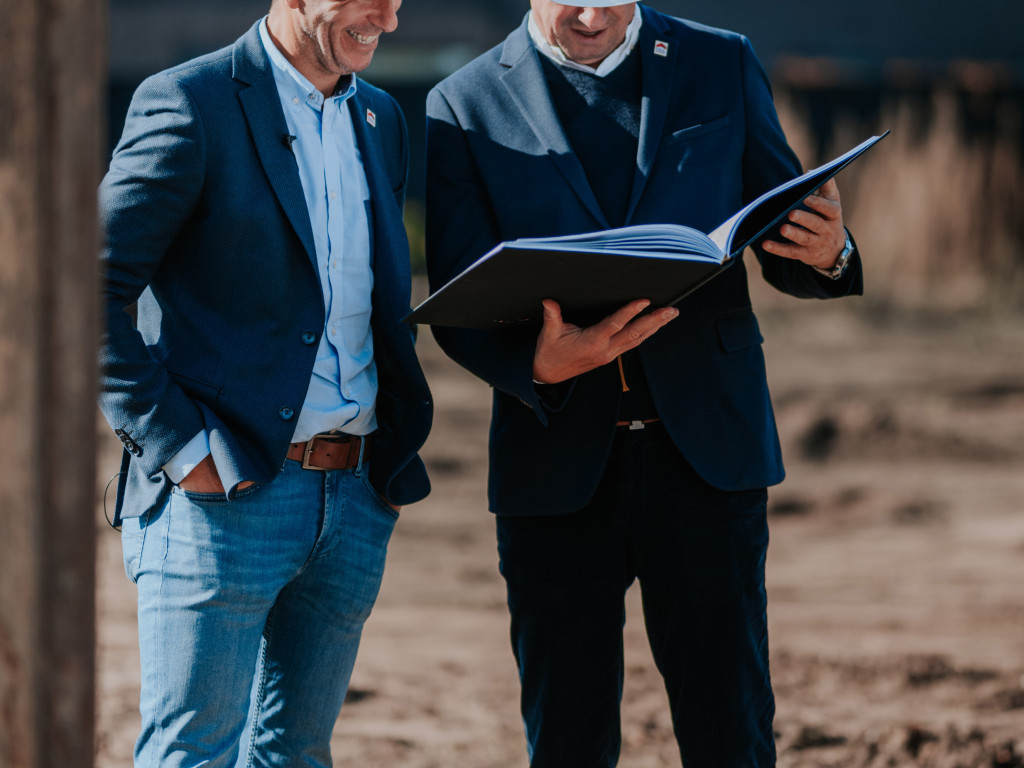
[841, 263]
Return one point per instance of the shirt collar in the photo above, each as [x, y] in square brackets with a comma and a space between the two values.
[294, 85]
[613, 60]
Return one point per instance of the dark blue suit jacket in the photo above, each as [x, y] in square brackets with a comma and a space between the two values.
[207, 229]
[500, 167]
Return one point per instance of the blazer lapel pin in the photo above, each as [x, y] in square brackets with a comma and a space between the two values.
[660, 48]
[371, 118]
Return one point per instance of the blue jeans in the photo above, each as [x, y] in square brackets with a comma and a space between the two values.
[250, 614]
[699, 556]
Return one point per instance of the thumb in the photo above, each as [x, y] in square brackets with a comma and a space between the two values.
[552, 313]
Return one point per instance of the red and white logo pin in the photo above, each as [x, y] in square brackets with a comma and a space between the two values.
[660, 48]
[371, 118]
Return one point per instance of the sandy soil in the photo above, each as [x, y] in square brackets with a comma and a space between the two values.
[895, 573]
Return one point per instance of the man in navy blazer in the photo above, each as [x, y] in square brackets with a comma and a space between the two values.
[641, 447]
[268, 395]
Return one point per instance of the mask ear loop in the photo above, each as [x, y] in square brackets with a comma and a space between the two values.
[106, 489]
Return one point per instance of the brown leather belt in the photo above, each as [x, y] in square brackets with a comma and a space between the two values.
[636, 424]
[331, 450]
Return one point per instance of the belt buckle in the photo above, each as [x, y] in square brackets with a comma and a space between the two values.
[308, 452]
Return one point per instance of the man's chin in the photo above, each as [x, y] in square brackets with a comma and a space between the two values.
[587, 54]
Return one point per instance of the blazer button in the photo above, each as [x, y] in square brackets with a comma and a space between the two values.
[286, 413]
[308, 337]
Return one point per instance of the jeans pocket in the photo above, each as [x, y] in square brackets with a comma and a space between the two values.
[133, 537]
[381, 502]
[203, 499]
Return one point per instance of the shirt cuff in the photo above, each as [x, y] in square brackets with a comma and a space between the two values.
[188, 458]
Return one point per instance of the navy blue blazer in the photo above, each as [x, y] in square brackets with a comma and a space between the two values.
[207, 230]
[500, 167]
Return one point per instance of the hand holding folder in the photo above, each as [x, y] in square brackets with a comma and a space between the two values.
[593, 274]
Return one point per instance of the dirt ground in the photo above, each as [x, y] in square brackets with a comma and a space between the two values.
[895, 572]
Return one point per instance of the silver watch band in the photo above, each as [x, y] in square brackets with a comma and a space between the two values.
[842, 261]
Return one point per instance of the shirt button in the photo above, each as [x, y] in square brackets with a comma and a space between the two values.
[296, 99]
[334, 194]
[308, 337]
[286, 413]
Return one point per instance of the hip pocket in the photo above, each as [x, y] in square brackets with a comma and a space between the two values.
[377, 497]
[133, 538]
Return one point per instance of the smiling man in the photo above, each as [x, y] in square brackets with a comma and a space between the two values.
[269, 399]
[638, 449]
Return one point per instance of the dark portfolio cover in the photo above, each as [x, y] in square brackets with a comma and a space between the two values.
[591, 275]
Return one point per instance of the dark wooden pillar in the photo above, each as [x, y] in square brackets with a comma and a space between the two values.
[52, 81]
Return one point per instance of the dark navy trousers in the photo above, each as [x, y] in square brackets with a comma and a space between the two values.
[699, 555]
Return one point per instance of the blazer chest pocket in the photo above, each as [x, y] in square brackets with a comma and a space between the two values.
[685, 134]
[738, 331]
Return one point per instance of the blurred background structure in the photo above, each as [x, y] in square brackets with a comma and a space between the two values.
[52, 81]
[937, 205]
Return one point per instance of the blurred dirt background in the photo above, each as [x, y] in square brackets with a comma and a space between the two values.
[895, 573]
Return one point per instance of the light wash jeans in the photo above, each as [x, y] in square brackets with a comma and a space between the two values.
[250, 614]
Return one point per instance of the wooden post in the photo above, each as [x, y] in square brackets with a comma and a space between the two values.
[52, 77]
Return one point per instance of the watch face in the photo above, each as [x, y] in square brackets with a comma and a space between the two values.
[844, 259]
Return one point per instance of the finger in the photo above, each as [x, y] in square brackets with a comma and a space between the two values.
[830, 190]
[812, 222]
[643, 328]
[817, 253]
[619, 319]
[798, 235]
[822, 207]
[785, 250]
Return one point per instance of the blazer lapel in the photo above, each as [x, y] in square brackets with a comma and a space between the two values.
[528, 89]
[262, 107]
[657, 73]
[387, 228]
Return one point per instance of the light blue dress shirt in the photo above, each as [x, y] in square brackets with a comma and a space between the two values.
[343, 387]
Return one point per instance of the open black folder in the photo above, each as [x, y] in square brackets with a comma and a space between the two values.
[593, 274]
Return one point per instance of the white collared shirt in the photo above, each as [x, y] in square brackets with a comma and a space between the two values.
[607, 66]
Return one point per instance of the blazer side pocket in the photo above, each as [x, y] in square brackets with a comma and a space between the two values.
[195, 389]
[690, 132]
[738, 330]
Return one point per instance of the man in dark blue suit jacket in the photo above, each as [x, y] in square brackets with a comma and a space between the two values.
[268, 396]
[638, 448]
